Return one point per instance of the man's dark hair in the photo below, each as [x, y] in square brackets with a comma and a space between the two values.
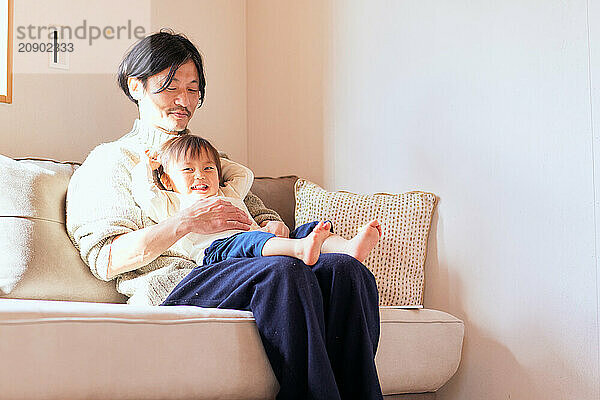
[156, 53]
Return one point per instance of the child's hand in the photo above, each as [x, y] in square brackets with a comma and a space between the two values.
[152, 159]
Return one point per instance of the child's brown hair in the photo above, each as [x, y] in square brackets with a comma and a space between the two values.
[187, 146]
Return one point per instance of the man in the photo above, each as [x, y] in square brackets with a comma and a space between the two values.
[319, 325]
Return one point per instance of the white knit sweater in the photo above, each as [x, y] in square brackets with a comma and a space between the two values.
[100, 206]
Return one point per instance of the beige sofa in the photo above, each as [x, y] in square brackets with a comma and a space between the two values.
[66, 335]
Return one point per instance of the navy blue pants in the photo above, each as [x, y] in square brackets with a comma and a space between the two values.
[319, 325]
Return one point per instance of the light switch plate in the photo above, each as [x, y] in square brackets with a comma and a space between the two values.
[58, 59]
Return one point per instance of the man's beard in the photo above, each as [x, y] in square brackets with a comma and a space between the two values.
[171, 126]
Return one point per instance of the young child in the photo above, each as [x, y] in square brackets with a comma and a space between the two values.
[190, 168]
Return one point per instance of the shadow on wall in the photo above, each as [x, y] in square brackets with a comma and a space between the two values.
[489, 369]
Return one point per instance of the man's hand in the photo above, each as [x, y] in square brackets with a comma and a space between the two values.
[277, 228]
[212, 215]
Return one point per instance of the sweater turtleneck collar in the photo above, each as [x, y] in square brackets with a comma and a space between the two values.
[150, 135]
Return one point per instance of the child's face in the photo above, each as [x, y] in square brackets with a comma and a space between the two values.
[197, 176]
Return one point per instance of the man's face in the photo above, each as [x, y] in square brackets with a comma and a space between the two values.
[171, 109]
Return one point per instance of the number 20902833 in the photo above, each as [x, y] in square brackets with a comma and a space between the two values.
[36, 47]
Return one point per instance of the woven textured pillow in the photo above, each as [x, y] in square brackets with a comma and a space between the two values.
[398, 259]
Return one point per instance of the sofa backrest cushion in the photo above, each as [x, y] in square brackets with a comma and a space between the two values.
[278, 195]
[38, 259]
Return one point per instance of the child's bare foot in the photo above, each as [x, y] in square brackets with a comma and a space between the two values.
[367, 237]
[308, 249]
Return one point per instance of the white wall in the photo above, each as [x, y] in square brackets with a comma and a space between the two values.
[594, 39]
[285, 87]
[488, 105]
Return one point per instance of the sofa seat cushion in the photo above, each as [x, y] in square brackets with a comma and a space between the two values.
[419, 350]
[58, 350]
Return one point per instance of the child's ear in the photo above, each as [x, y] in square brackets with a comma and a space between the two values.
[166, 181]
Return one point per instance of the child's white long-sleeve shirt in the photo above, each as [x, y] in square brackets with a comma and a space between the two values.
[161, 204]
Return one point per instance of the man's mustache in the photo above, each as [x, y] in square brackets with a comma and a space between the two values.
[180, 110]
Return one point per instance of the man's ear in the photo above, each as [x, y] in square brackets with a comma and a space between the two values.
[166, 181]
[136, 88]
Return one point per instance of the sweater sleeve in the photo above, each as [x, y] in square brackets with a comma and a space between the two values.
[100, 204]
[257, 209]
[236, 177]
